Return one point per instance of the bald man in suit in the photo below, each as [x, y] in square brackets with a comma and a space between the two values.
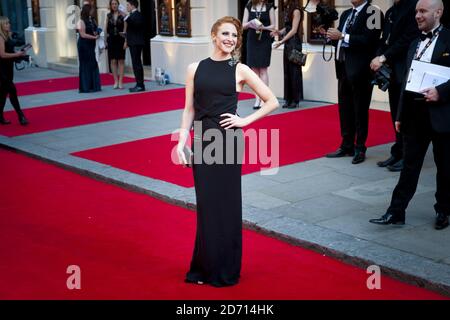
[423, 118]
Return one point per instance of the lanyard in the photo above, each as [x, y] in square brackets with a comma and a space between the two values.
[435, 35]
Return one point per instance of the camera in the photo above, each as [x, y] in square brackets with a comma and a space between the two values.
[325, 16]
[382, 78]
[22, 58]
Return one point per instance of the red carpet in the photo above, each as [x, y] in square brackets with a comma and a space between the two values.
[304, 135]
[79, 113]
[131, 246]
[61, 84]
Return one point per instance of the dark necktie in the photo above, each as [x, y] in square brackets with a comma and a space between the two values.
[349, 27]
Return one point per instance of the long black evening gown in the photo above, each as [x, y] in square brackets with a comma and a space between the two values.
[89, 72]
[218, 244]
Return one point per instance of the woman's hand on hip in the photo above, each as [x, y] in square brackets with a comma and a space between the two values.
[232, 121]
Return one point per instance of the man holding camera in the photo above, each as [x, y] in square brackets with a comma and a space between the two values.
[356, 43]
[424, 117]
[400, 29]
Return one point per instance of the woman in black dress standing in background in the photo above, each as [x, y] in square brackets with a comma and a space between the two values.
[7, 58]
[212, 88]
[116, 52]
[259, 41]
[89, 73]
[292, 39]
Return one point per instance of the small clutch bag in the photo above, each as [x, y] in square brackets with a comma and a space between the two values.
[189, 155]
[298, 57]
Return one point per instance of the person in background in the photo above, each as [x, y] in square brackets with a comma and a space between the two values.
[115, 41]
[259, 41]
[292, 39]
[135, 41]
[356, 44]
[7, 87]
[400, 29]
[423, 118]
[88, 70]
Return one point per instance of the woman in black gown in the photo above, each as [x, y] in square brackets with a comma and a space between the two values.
[7, 86]
[89, 73]
[212, 87]
[116, 52]
[292, 39]
[259, 41]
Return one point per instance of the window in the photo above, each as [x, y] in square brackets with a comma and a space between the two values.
[36, 14]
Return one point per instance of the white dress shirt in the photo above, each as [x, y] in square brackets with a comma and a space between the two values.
[428, 55]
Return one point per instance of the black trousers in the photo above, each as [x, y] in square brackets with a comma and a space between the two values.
[394, 98]
[136, 60]
[293, 79]
[7, 87]
[354, 102]
[415, 149]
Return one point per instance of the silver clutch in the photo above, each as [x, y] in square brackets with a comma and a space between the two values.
[189, 155]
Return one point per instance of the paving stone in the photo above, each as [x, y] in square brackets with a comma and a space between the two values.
[298, 171]
[312, 186]
[433, 243]
[262, 201]
[324, 207]
[376, 192]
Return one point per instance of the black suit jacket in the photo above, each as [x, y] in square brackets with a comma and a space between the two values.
[363, 45]
[446, 17]
[404, 31]
[439, 112]
[135, 29]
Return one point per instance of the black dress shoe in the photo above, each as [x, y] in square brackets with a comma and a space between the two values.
[387, 162]
[137, 89]
[389, 218]
[339, 153]
[396, 167]
[441, 221]
[23, 121]
[359, 157]
[4, 121]
[292, 105]
[286, 104]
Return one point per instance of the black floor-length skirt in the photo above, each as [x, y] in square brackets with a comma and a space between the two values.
[218, 244]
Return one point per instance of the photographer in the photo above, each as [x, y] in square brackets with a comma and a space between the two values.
[7, 58]
[400, 29]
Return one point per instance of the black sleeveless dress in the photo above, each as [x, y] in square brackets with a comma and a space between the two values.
[115, 40]
[259, 46]
[7, 65]
[218, 244]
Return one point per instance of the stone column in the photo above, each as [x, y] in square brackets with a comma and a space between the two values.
[44, 39]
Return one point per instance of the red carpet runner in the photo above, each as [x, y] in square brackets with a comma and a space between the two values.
[131, 246]
[79, 113]
[60, 84]
[304, 135]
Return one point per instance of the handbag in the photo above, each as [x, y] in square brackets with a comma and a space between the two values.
[297, 57]
[189, 155]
